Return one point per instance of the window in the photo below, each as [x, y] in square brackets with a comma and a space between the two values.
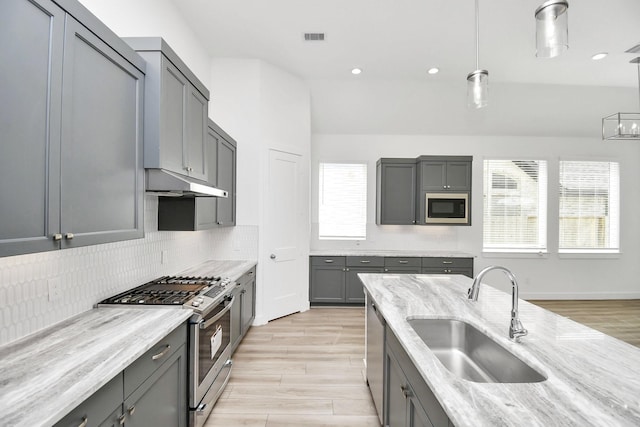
[515, 206]
[343, 201]
[589, 206]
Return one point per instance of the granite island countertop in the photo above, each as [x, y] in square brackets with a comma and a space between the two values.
[45, 375]
[592, 379]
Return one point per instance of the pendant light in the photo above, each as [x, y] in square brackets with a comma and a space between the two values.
[552, 30]
[623, 125]
[478, 80]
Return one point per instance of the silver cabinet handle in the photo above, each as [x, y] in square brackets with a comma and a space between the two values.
[69, 236]
[57, 237]
[403, 261]
[365, 262]
[161, 354]
[219, 222]
[84, 422]
[272, 256]
[447, 262]
[406, 392]
[386, 269]
[131, 410]
[250, 273]
[328, 261]
[346, 269]
[121, 419]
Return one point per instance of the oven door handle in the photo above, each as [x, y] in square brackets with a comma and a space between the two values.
[205, 324]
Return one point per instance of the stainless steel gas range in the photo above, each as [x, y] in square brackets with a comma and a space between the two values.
[209, 350]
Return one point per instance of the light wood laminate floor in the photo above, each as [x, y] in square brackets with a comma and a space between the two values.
[301, 370]
[618, 318]
[307, 369]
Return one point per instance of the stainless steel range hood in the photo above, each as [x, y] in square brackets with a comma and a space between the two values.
[169, 184]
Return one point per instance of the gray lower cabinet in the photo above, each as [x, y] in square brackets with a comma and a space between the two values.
[152, 391]
[354, 291]
[447, 265]
[396, 191]
[403, 265]
[243, 310]
[204, 213]
[71, 120]
[327, 280]
[409, 400]
[176, 111]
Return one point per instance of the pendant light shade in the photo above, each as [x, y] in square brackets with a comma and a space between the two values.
[478, 80]
[478, 89]
[552, 30]
[623, 125]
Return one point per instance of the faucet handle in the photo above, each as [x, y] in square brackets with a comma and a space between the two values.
[516, 330]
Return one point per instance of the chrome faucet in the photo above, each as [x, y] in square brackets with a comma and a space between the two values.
[516, 330]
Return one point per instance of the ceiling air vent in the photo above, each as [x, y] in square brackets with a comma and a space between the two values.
[635, 49]
[314, 37]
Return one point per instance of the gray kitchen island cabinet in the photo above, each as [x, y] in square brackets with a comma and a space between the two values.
[176, 111]
[396, 191]
[152, 391]
[71, 119]
[204, 213]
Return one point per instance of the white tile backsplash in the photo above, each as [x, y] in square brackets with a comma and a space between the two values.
[84, 276]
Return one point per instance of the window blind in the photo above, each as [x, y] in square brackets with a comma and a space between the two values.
[589, 194]
[343, 201]
[515, 206]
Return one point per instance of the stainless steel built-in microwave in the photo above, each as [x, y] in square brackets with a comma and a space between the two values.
[447, 208]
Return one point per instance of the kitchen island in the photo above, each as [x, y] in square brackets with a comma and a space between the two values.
[592, 378]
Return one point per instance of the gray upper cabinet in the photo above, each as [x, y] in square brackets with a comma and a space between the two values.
[176, 111]
[445, 173]
[396, 191]
[203, 213]
[71, 158]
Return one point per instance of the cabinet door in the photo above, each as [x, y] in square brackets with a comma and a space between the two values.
[354, 292]
[226, 180]
[396, 202]
[433, 176]
[196, 122]
[174, 92]
[101, 409]
[417, 415]
[101, 161]
[236, 320]
[327, 284]
[459, 176]
[248, 305]
[30, 90]
[162, 399]
[396, 388]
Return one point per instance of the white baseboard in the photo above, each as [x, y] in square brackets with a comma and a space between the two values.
[579, 295]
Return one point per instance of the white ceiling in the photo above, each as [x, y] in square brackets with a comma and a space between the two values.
[401, 39]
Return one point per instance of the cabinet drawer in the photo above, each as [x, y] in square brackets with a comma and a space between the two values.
[402, 262]
[446, 270]
[98, 407]
[447, 262]
[338, 261]
[141, 369]
[365, 261]
[248, 276]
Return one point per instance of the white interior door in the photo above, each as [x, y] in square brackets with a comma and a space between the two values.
[283, 237]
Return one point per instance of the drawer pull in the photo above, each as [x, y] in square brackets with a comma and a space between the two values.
[328, 261]
[84, 422]
[447, 262]
[365, 262]
[132, 410]
[402, 261]
[121, 419]
[161, 354]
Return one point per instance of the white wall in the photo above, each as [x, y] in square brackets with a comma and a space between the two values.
[550, 276]
[154, 18]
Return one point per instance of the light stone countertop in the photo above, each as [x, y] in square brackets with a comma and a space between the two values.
[45, 375]
[390, 253]
[593, 379]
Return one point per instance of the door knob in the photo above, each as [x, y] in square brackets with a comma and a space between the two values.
[272, 256]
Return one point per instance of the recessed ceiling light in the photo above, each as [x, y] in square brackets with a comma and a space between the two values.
[356, 71]
[598, 56]
[433, 70]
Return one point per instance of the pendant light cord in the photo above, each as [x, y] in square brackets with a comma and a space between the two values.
[478, 37]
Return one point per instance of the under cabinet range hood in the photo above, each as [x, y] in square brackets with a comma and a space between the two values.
[162, 182]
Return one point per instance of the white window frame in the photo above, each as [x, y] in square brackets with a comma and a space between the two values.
[541, 247]
[613, 208]
[351, 223]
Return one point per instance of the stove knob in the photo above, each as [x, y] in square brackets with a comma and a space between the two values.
[195, 303]
[200, 300]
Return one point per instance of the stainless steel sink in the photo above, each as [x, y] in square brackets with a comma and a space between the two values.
[472, 355]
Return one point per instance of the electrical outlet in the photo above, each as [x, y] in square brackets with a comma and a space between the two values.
[53, 285]
[164, 257]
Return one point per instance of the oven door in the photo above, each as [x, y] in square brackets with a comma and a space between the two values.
[210, 338]
[447, 208]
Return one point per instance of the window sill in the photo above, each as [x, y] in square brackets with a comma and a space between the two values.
[515, 254]
[589, 255]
